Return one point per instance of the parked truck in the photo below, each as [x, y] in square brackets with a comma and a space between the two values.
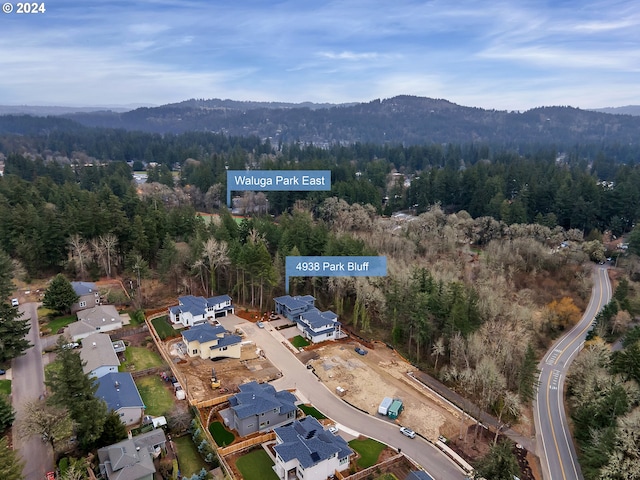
[383, 409]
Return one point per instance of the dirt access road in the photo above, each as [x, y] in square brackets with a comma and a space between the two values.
[383, 373]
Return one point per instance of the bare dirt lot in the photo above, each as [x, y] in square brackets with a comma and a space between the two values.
[230, 372]
[382, 373]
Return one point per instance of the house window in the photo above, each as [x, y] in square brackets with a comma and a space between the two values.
[250, 425]
[223, 348]
[82, 304]
[344, 460]
[194, 351]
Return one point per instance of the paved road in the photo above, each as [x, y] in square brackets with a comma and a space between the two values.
[555, 447]
[28, 384]
[296, 375]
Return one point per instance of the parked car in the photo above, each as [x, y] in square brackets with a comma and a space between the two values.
[15, 302]
[2, 371]
[333, 429]
[407, 432]
[360, 351]
[260, 325]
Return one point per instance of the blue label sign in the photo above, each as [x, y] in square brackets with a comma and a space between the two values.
[335, 267]
[277, 180]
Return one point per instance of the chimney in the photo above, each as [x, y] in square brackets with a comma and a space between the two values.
[117, 385]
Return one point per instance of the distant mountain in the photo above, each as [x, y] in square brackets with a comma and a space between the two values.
[627, 110]
[43, 111]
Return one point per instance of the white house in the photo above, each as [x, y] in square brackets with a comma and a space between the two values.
[98, 355]
[194, 310]
[306, 450]
[100, 319]
[315, 325]
[120, 393]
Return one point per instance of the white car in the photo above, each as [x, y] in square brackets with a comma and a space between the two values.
[333, 429]
[407, 432]
[15, 302]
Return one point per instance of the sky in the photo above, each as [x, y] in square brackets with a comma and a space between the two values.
[506, 55]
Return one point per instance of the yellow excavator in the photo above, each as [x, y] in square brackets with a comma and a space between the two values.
[215, 383]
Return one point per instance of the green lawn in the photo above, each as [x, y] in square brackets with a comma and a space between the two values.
[299, 341]
[139, 358]
[312, 411]
[189, 459]
[221, 435]
[163, 328]
[369, 451]
[158, 400]
[5, 387]
[256, 465]
[60, 322]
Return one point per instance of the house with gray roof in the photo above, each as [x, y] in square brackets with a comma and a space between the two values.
[418, 475]
[100, 319]
[306, 450]
[120, 393]
[132, 459]
[211, 341]
[88, 296]
[315, 325]
[193, 310]
[98, 355]
[260, 408]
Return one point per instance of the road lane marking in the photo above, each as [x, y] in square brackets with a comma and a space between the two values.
[553, 432]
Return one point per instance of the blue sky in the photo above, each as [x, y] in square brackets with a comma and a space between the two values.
[510, 55]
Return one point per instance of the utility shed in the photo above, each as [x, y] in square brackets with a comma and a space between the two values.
[383, 409]
[395, 409]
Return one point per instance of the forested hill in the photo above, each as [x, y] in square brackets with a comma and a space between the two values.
[404, 119]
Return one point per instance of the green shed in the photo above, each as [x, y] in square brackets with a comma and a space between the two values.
[395, 409]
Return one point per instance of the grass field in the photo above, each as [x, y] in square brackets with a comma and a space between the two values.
[163, 328]
[139, 358]
[256, 465]
[60, 322]
[369, 451]
[155, 396]
[299, 341]
[5, 387]
[221, 435]
[314, 412]
[189, 459]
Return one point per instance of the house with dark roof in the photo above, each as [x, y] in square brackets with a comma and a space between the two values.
[98, 355]
[211, 341]
[193, 310]
[259, 408]
[418, 475]
[120, 393]
[100, 319]
[132, 459]
[88, 296]
[315, 325]
[306, 450]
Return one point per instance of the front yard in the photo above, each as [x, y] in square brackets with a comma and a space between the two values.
[156, 397]
[5, 387]
[369, 451]
[55, 324]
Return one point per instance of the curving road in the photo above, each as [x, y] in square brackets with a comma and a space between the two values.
[349, 419]
[28, 384]
[555, 445]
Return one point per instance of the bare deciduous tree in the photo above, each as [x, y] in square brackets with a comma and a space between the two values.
[80, 253]
[51, 424]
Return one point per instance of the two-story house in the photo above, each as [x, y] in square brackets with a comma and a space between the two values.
[98, 355]
[132, 459]
[315, 325]
[195, 310]
[259, 408]
[88, 296]
[211, 341]
[120, 393]
[306, 450]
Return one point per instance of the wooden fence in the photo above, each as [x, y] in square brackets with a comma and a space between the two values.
[373, 469]
[245, 444]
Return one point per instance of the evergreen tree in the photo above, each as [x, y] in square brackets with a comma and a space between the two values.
[10, 464]
[7, 415]
[73, 389]
[12, 333]
[114, 430]
[499, 464]
[60, 295]
[528, 376]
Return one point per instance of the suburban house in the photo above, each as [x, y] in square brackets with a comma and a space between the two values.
[120, 393]
[88, 296]
[100, 319]
[194, 310]
[259, 407]
[132, 459]
[306, 450]
[98, 355]
[211, 341]
[315, 325]
[418, 475]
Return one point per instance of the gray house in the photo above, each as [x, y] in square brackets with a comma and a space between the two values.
[103, 318]
[120, 393]
[88, 296]
[132, 459]
[98, 355]
[259, 408]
